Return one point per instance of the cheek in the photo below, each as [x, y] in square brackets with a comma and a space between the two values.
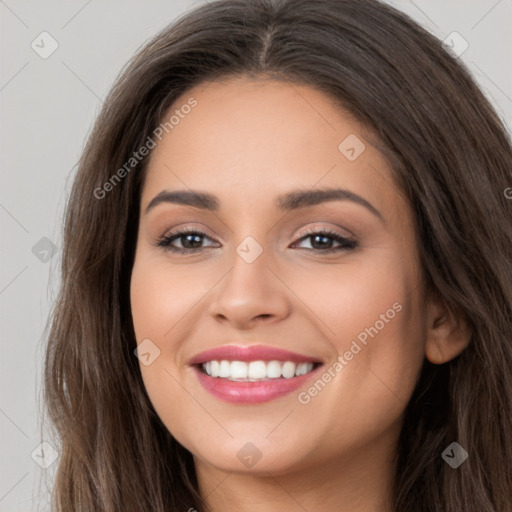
[372, 317]
[381, 349]
[166, 309]
[162, 297]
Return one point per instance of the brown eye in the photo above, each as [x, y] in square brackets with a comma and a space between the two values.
[190, 241]
[322, 241]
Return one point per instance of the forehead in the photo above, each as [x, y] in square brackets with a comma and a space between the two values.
[248, 138]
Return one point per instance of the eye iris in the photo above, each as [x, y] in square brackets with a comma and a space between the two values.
[325, 239]
[196, 239]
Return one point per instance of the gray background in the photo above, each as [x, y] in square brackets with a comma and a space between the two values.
[48, 106]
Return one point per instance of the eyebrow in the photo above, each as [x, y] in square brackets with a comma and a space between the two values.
[286, 202]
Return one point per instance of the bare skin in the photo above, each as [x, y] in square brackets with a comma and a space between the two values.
[247, 142]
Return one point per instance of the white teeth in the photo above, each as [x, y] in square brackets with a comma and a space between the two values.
[238, 370]
[274, 369]
[256, 370]
[224, 369]
[214, 368]
[302, 368]
[288, 370]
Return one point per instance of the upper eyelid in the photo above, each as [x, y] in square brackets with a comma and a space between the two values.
[321, 225]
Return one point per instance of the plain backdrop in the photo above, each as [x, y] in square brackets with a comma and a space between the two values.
[48, 107]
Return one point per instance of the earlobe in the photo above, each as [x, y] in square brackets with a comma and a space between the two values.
[448, 334]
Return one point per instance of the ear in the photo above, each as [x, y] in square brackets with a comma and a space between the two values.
[448, 333]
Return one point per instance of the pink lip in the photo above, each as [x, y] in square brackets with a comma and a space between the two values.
[251, 392]
[252, 353]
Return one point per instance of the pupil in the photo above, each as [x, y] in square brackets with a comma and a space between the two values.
[324, 238]
[197, 239]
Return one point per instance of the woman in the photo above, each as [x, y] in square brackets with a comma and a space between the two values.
[286, 277]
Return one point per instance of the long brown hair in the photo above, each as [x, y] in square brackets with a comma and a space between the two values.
[451, 158]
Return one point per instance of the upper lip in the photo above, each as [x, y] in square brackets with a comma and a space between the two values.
[251, 353]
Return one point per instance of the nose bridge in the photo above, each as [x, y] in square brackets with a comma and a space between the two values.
[249, 289]
[249, 270]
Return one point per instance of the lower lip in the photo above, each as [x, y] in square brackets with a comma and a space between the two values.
[251, 392]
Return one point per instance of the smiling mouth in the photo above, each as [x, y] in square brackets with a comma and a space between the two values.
[256, 371]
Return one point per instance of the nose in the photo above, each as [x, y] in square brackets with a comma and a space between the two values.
[249, 294]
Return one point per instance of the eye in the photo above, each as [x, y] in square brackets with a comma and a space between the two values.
[321, 241]
[191, 241]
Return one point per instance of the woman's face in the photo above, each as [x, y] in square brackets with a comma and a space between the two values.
[258, 272]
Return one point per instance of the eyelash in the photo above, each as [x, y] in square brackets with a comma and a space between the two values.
[165, 241]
